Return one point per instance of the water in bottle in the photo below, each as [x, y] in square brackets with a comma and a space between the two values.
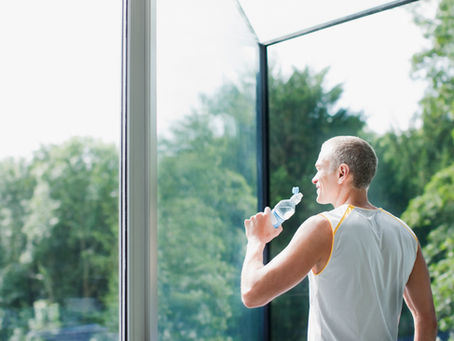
[285, 208]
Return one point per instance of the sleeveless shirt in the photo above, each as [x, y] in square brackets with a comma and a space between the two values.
[358, 294]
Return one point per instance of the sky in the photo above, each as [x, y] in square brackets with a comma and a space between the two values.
[60, 64]
[60, 70]
[371, 58]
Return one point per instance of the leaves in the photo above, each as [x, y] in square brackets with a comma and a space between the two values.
[59, 229]
[206, 179]
[432, 215]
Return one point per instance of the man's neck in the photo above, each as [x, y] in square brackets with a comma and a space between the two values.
[355, 197]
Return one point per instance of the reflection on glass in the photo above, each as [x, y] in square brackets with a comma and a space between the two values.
[206, 170]
[354, 79]
[59, 171]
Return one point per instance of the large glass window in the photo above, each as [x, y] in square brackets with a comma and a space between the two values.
[361, 78]
[207, 66]
[59, 141]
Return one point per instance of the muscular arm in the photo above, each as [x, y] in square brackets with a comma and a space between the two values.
[418, 297]
[310, 247]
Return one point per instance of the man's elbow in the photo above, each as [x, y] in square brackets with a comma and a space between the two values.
[431, 323]
[251, 300]
[428, 325]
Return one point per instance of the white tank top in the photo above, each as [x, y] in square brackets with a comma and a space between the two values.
[359, 293]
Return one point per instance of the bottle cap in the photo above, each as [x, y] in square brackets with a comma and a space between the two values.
[295, 190]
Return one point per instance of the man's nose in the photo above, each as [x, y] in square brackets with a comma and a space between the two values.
[314, 179]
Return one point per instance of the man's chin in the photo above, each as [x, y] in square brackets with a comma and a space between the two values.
[321, 201]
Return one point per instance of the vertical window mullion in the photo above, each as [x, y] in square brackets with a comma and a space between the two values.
[138, 244]
[263, 165]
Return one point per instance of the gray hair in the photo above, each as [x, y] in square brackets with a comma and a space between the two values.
[357, 154]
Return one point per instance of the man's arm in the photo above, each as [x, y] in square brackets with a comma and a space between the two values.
[310, 247]
[418, 297]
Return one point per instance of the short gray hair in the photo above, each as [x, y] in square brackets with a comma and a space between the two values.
[357, 154]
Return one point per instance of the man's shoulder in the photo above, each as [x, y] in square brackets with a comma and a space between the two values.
[318, 221]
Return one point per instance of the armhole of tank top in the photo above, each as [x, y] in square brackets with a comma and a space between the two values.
[334, 230]
[332, 245]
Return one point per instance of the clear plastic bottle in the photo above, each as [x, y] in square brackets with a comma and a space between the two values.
[285, 208]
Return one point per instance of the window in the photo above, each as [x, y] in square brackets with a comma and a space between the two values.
[206, 86]
[59, 155]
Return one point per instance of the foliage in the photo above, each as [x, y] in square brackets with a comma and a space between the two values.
[302, 117]
[58, 236]
[400, 175]
[435, 65]
[432, 217]
[206, 179]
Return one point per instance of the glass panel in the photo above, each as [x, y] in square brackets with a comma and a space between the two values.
[355, 79]
[59, 141]
[207, 65]
[272, 19]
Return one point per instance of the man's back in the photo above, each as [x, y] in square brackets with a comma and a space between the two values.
[358, 295]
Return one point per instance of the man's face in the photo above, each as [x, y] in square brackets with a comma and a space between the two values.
[325, 180]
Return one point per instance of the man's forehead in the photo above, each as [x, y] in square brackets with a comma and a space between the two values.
[324, 153]
[321, 160]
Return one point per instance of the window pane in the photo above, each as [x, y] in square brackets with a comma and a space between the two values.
[207, 64]
[59, 138]
[355, 79]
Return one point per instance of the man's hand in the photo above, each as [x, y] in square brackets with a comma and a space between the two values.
[259, 228]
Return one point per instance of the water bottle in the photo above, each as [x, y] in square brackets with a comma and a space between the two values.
[285, 208]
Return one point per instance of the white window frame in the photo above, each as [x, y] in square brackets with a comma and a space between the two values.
[138, 175]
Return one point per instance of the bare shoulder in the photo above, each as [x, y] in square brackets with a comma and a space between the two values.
[319, 219]
[316, 227]
[317, 223]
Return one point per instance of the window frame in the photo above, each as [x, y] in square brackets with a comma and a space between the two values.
[138, 174]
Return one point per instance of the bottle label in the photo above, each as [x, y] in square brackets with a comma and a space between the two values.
[278, 219]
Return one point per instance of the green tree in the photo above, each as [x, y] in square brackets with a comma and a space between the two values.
[75, 202]
[59, 234]
[435, 64]
[17, 284]
[434, 223]
[408, 159]
[401, 174]
[432, 216]
[206, 177]
[302, 117]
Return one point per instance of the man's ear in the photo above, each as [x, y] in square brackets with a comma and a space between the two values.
[342, 173]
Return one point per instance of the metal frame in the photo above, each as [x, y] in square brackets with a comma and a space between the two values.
[138, 174]
[354, 16]
[263, 164]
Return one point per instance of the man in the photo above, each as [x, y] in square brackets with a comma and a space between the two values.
[360, 259]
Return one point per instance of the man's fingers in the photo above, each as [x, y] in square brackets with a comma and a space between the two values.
[277, 231]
